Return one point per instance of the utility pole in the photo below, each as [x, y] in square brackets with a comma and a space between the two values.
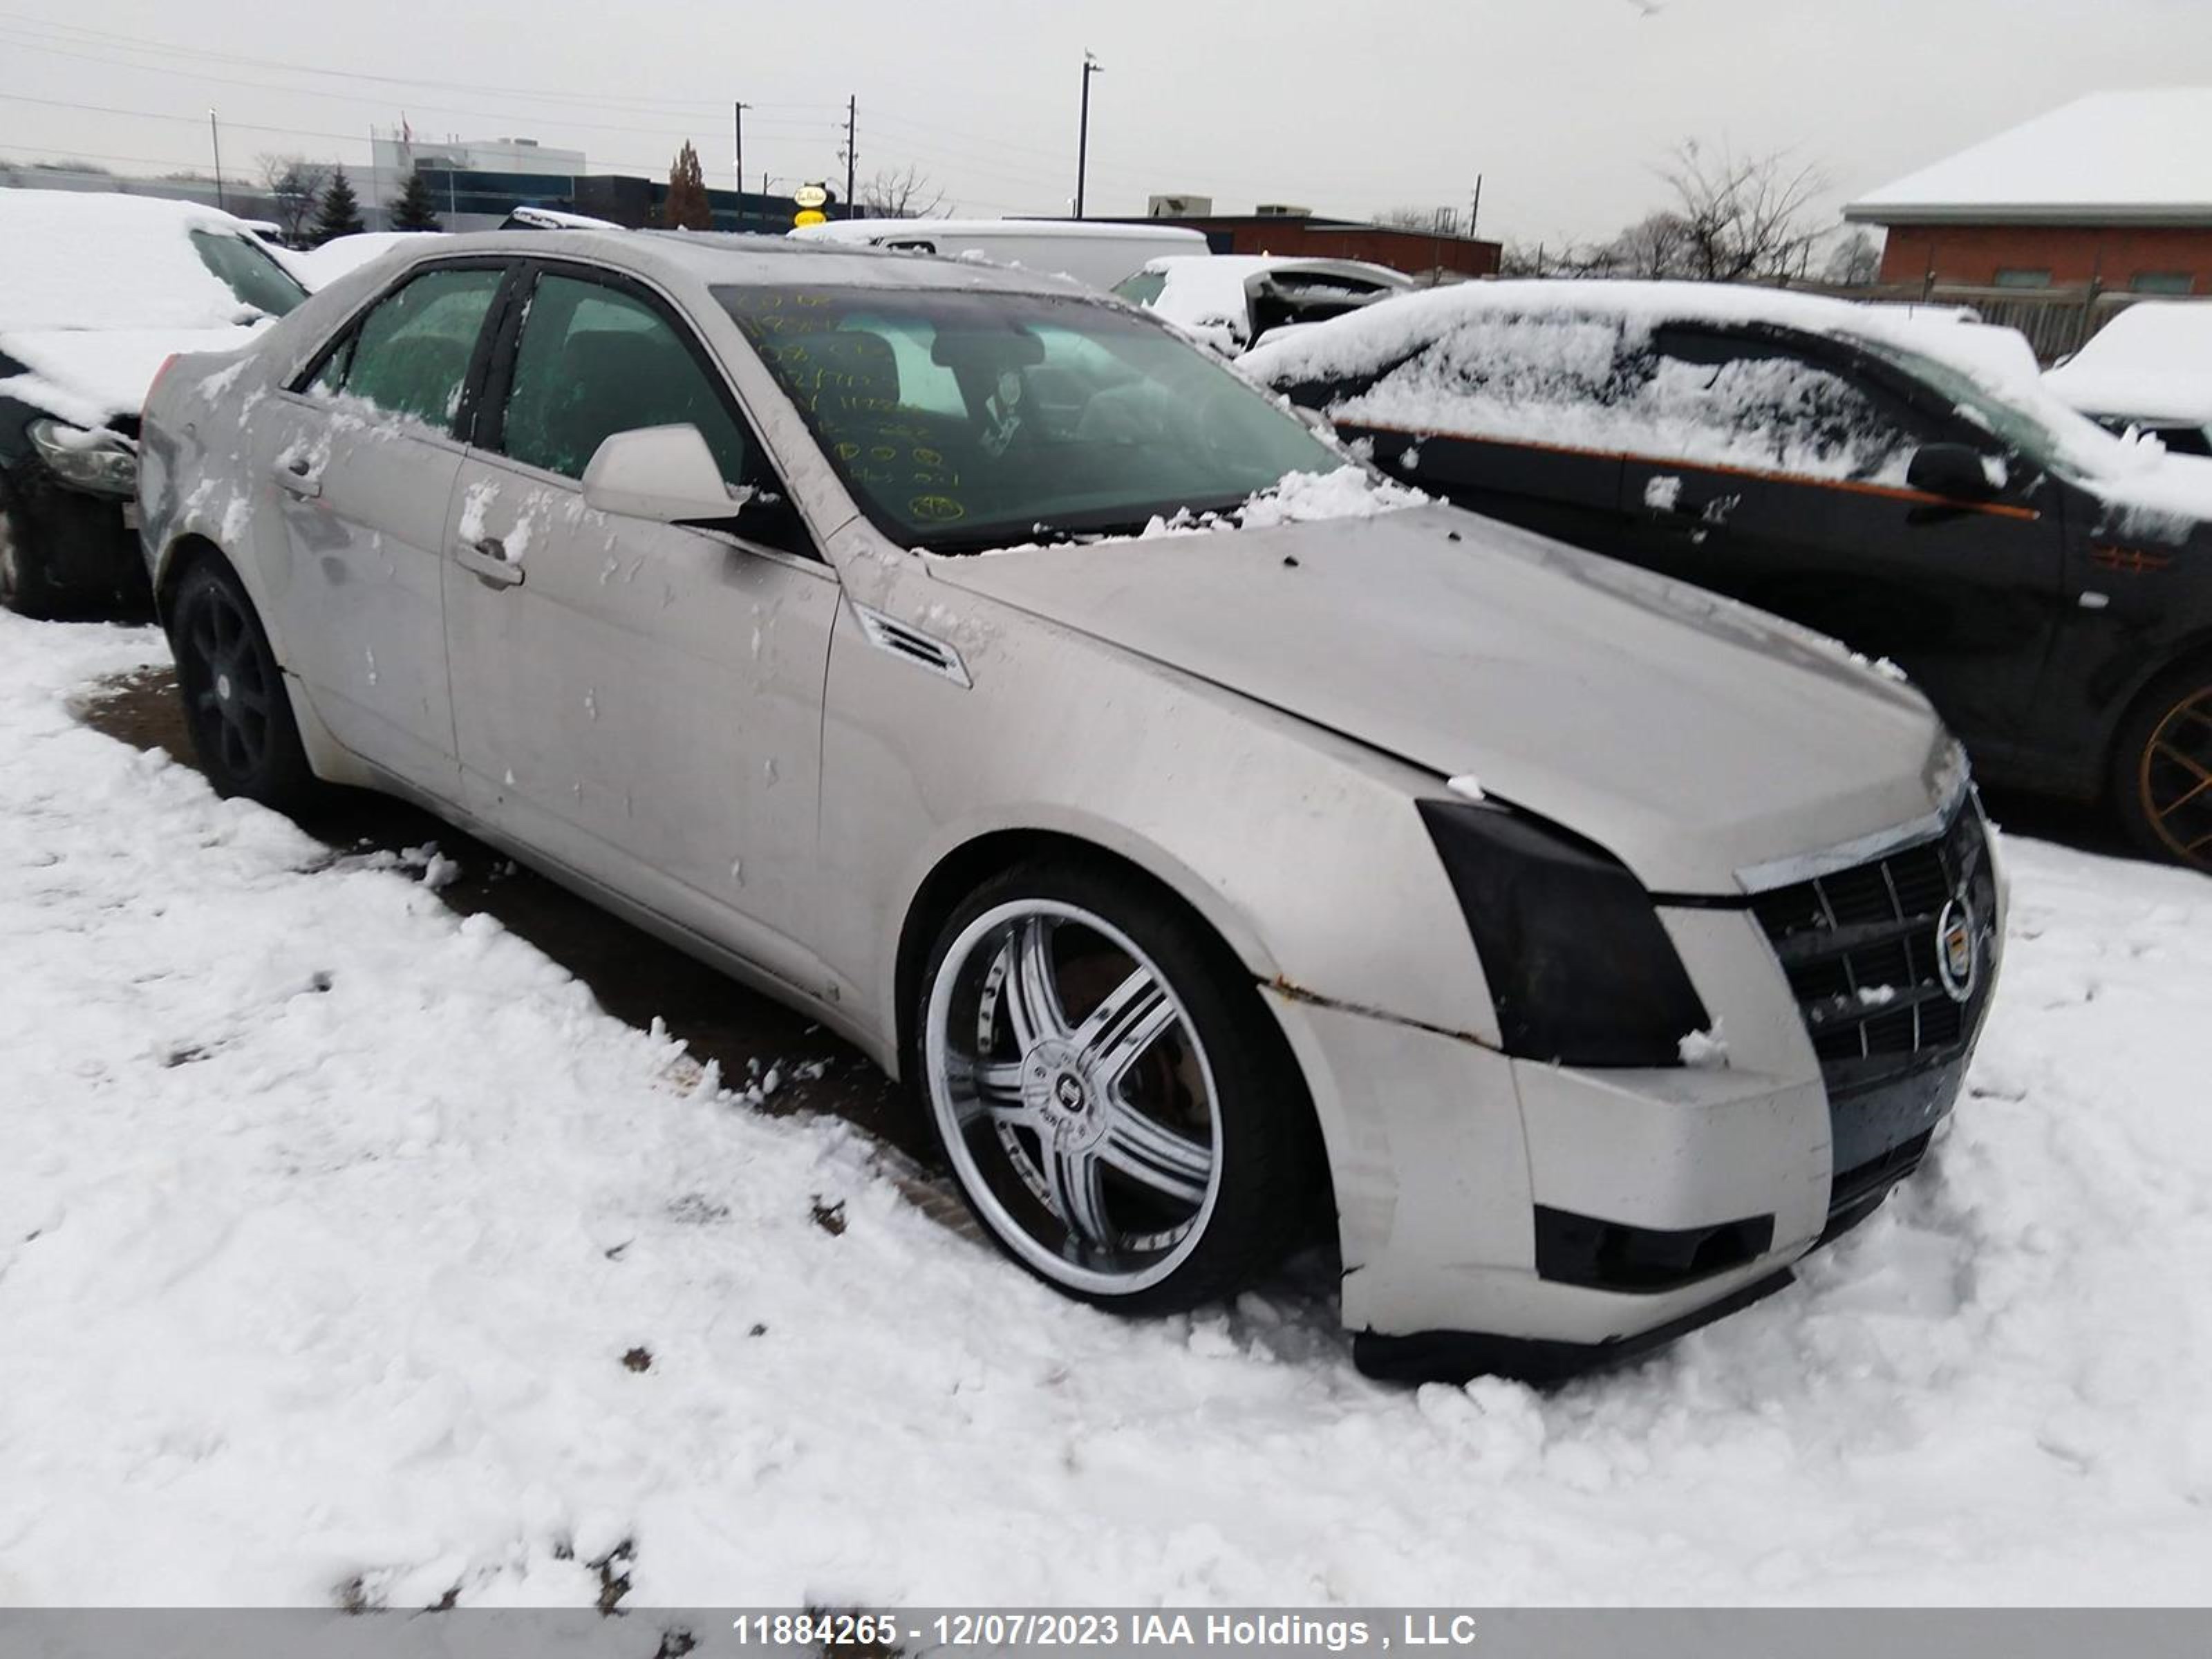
[740, 112]
[214, 136]
[852, 154]
[1091, 66]
[1474, 214]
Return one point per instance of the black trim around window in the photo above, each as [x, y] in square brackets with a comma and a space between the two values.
[786, 531]
[488, 334]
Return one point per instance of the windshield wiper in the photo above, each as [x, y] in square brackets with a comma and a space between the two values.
[1042, 533]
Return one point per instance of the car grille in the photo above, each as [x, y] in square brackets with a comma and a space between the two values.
[1861, 948]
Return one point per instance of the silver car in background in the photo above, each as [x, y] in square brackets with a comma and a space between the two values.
[1572, 949]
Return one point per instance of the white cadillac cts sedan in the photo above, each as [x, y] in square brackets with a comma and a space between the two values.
[824, 613]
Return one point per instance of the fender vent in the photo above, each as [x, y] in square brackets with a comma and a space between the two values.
[915, 645]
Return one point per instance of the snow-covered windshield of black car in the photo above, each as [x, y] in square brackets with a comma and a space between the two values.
[2044, 430]
[962, 420]
[247, 271]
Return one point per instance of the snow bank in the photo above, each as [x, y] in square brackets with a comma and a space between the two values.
[1538, 361]
[2152, 362]
[328, 1218]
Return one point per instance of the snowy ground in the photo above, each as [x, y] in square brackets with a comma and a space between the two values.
[328, 1218]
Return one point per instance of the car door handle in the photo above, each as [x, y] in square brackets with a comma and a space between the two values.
[298, 478]
[488, 562]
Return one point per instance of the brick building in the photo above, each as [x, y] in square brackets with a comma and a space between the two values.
[1303, 236]
[2112, 192]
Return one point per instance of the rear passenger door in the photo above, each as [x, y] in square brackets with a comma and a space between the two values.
[640, 701]
[361, 453]
[1771, 468]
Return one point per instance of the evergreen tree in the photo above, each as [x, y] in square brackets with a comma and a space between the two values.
[340, 213]
[687, 206]
[416, 208]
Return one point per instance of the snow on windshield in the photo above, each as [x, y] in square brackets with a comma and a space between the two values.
[1557, 362]
[1349, 492]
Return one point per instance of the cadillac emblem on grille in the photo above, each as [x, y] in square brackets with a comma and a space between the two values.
[1958, 950]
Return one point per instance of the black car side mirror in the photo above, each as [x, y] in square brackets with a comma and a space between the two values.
[1953, 472]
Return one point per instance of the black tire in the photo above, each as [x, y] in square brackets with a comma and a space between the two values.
[1263, 1182]
[23, 586]
[236, 706]
[2162, 767]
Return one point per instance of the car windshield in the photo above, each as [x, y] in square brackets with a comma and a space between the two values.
[2044, 430]
[247, 269]
[967, 420]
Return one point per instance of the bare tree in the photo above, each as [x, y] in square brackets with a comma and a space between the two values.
[1743, 218]
[900, 193]
[1429, 221]
[295, 185]
[1854, 262]
[1655, 248]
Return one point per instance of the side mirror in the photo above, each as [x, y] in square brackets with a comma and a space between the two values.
[665, 473]
[1953, 472]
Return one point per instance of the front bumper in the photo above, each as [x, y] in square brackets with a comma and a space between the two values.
[1508, 1216]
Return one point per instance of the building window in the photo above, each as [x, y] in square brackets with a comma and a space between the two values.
[2162, 281]
[2022, 276]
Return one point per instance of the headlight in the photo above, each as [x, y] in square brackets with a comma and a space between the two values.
[1580, 968]
[104, 462]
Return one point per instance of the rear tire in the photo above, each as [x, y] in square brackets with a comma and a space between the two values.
[1122, 1116]
[2162, 767]
[236, 706]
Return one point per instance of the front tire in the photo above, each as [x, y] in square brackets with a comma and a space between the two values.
[1122, 1114]
[236, 707]
[23, 575]
[2162, 769]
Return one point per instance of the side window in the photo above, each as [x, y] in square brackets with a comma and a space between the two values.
[594, 360]
[410, 355]
[1753, 403]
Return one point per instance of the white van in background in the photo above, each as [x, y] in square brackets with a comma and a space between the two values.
[1095, 252]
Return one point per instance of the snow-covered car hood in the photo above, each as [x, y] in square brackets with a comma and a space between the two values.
[88, 376]
[2152, 362]
[1691, 735]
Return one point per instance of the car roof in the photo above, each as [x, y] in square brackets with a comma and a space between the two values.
[718, 259]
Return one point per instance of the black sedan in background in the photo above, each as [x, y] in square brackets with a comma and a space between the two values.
[1904, 484]
[96, 292]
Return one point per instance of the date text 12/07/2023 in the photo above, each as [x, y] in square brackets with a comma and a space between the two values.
[1000, 1629]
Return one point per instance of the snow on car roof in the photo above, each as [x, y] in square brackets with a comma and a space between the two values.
[2147, 489]
[83, 259]
[319, 267]
[2120, 154]
[2152, 362]
[861, 230]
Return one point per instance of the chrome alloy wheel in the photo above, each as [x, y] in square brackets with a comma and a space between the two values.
[1074, 1095]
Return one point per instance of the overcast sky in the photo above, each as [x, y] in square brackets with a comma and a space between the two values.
[1565, 106]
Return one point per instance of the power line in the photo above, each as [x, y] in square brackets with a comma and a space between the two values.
[168, 48]
[785, 128]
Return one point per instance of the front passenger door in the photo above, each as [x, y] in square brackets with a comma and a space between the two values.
[640, 701]
[1772, 470]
